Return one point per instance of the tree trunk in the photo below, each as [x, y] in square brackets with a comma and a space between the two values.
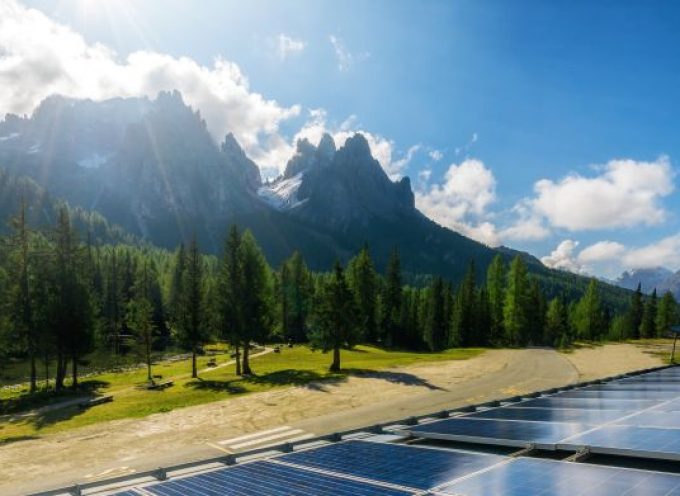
[59, 378]
[47, 374]
[75, 373]
[148, 361]
[335, 366]
[34, 373]
[238, 360]
[194, 370]
[246, 359]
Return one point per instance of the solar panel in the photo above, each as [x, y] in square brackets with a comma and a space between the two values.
[671, 406]
[499, 432]
[265, 478]
[617, 395]
[528, 476]
[653, 419]
[617, 386]
[419, 468]
[551, 415]
[586, 403]
[648, 442]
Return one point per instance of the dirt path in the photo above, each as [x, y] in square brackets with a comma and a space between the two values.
[125, 446]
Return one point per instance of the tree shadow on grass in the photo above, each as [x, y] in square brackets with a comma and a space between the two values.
[16, 439]
[231, 386]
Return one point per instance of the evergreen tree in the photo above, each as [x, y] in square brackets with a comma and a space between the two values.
[557, 323]
[437, 324]
[363, 281]
[140, 316]
[335, 324]
[483, 317]
[536, 309]
[295, 292]
[635, 312]
[392, 299]
[588, 314]
[463, 324]
[255, 296]
[192, 329]
[648, 324]
[230, 291]
[515, 304]
[667, 314]
[495, 282]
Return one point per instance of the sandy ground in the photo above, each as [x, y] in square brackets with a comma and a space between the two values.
[126, 446]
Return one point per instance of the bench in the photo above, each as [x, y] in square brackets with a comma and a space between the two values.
[96, 401]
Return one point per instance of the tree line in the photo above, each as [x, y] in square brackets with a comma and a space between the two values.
[63, 297]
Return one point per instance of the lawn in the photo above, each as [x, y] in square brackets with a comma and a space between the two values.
[293, 366]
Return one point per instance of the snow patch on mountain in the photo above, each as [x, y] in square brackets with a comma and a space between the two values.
[282, 194]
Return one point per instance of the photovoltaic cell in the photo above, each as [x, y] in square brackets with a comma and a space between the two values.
[419, 468]
[649, 442]
[501, 432]
[529, 476]
[617, 395]
[586, 403]
[652, 419]
[671, 406]
[659, 386]
[551, 415]
[264, 478]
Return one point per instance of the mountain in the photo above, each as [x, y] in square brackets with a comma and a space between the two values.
[151, 167]
[647, 278]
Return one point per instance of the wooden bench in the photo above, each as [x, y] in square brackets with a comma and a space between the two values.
[96, 401]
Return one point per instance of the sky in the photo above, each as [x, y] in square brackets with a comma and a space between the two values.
[549, 127]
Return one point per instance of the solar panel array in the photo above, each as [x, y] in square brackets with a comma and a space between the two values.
[599, 417]
[633, 416]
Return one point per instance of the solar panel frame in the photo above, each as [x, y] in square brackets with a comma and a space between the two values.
[569, 415]
[586, 403]
[617, 395]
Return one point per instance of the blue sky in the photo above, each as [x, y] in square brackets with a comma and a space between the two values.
[490, 97]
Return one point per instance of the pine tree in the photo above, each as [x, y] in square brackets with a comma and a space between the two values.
[192, 329]
[295, 291]
[437, 323]
[666, 315]
[392, 299]
[635, 312]
[557, 323]
[536, 309]
[588, 314]
[255, 296]
[463, 324]
[335, 324]
[483, 317]
[140, 315]
[495, 282]
[515, 304]
[230, 290]
[648, 324]
[363, 281]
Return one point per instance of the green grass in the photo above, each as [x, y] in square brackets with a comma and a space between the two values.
[296, 366]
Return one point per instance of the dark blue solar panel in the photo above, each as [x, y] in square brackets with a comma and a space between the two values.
[616, 386]
[653, 419]
[586, 403]
[420, 468]
[617, 395]
[527, 476]
[507, 432]
[552, 415]
[630, 440]
[267, 479]
[127, 493]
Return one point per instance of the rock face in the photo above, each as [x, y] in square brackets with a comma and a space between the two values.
[151, 167]
[647, 278]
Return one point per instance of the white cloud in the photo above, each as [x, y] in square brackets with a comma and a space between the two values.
[665, 253]
[563, 257]
[461, 202]
[287, 45]
[436, 155]
[527, 227]
[344, 58]
[39, 57]
[602, 251]
[627, 193]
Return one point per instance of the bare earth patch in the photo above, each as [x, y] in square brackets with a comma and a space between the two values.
[126, 446]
